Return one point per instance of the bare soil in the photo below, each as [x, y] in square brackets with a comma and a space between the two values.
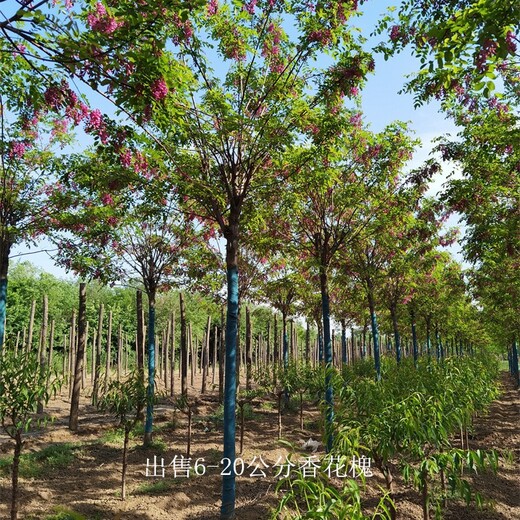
[91, 484]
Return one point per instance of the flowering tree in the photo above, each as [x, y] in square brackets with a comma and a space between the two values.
[487, 200]
[465, 47]
[136, 230]
[34, 124]
[350, 176]
[242, 120]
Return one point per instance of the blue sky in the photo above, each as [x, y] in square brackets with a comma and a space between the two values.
[381, 104]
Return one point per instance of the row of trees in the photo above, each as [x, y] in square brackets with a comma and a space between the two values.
[268, 156]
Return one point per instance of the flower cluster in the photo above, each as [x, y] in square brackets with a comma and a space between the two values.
[322, 36]
[17, 149]
[159, 89]
[96, 125]
[101, 21]
[488, 49]
[212, 7]
[510, 42]
[250, 6]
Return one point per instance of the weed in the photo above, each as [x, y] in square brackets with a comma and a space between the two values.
[63, 513]
[40, 463]
[155, 488]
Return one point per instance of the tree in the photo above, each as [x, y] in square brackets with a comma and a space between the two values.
[241, 121]
[126, 400]
[487, 200]
[29, 135]
[23, 384]
[466, 48]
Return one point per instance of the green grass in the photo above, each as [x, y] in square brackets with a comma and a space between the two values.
[267, 405]
[63, 513]
[155, 488]
[40, 463]
[117, 435]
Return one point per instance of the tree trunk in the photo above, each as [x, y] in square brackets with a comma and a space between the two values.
[397, 337]
[221, 358]
[414, 338]
[119, 351]
[72, 352]
[192, 359]
[214, 360]
[5, 248]
[227, 511]
[31, 326]
[249, 340]
[285, 351]
[352, 345]
[43, 344]
[375, 330]
[97, 367]
[125, 463]
[307, 342]
[108, 364]
[14, 479]
[151, 368]
[205, 357]
[51, 343]
[184, 348]
[78, 372]
[268, 345]
[140, 332]
[329, 402]
[172, 354]
[344, 354]
[428, 335]
[275, 349]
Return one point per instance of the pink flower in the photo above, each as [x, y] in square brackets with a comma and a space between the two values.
[322, 36]
[107, 199]
[96, 119]
[355, 120]
[159, 89]
[395, 33]
[60, 126]
[510, 42]
[126, 158]
[53, 97]
[17, 149]
[250, 6]
[212, 7]
[101, 21]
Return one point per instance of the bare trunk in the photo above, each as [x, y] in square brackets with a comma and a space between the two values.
[140, 332]
[31, 326]
[97, 368]
[184, 348]
[108, 364]
[123, 473]
[78, 372]
[172, 353]
[14, 479]
[205, 357]
[43, 341]
[248, 348]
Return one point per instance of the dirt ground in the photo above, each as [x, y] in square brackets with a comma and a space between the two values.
[91, 484]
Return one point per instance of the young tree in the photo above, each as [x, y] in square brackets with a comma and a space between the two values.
[126, 400]
[23, 384]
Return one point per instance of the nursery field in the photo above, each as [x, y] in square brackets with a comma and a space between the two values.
[79, 474]
[287, 302]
